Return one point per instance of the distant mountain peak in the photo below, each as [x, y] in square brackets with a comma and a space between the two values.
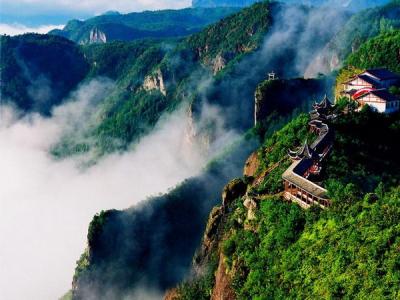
[111, 13]
[350, 4]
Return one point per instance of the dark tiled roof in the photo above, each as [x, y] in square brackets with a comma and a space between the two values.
[368, 79]
[383, 94]
[382, 74]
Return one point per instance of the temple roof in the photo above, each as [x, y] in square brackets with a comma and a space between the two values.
[292, 175]
[382, 74]
[302, 152]
[368, 79]
[319, 124]
[325, 103]
[382, 94]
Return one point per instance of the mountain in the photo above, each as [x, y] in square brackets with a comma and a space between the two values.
[258, 246]
[359, 28]
[30, 71]
[253, 244]
[223, 3]
[122, 266]
[161, 75]
[353, 5]
[148, 24]
[212, 65]
[375, 53]
[136, 258]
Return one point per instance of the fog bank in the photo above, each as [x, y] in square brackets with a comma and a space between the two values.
[46, 205]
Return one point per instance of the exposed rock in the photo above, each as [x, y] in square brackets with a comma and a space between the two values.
[222, 289]
[195, 137]
[234, 189]
[171, 294]
[251, 165]
[251, 206]
[97, 36]
[212, 227]
[218, 64]
[260, 110]
[210, 240]
[155, 82]
[335, 62]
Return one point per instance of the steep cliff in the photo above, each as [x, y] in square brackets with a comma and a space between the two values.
[97, 36]
[155, 82]
[149, 247]
[257, 245]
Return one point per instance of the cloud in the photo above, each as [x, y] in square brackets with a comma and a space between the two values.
[89, 6]
[16, 29]
[46, 205]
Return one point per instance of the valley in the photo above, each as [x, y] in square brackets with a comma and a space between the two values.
[133, 125]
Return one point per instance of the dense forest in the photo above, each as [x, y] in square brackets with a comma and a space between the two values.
[147, 24]
[157, 62]
[376, 52]
[30, 70]
[351, 248]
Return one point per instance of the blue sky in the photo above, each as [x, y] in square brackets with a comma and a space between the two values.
[17, 16]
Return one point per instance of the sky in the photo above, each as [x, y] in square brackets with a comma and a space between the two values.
[19, 16]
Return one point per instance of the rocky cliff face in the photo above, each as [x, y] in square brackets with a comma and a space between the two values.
[222, 289]
[155, 82]
[218, 64]
[97, 36]
[211, 247]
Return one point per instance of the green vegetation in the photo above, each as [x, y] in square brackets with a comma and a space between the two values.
[382, 50]
[242, 32]
[118, 60]
[365, 151]
[351, 4]
[347, 251]
[279, 101]
[67, 296]
[275, 151]
[31, 75]
[365, 25]
[147, 24]
[126, 113]
[378, 52]
[350, 254]
[201, 288]
[130, 111]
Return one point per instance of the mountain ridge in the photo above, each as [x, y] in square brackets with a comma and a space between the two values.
[139, 25]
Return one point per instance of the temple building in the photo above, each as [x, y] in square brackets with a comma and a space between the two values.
[300, 180]
[373, 78]
[372, 88]
[322, 111]
[380, 100]
[302, 152]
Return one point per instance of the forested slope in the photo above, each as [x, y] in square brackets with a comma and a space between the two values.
[381, 51]
[360, 27]
[38, 71]
[278, 250]
[147, 24]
